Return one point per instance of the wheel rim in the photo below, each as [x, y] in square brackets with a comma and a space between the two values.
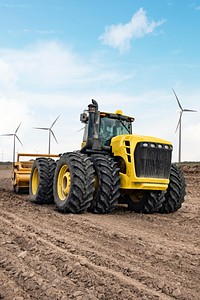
[63, 183]
[35, 180]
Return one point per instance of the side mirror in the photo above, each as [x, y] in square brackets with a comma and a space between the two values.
[84, 117]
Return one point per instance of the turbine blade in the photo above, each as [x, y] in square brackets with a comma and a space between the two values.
[43, 128]
[18, 139]
[7, 134]
[54, 122]
[179, 121]
[54, 136]
[179, 104]
[190, 110]
[18, 128]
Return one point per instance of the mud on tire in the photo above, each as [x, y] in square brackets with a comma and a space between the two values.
[107, 184]
[73, 183]
[41, 181]
[174, 196]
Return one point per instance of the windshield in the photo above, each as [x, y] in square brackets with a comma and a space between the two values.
[112, 127]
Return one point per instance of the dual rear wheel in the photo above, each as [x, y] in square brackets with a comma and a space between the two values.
[76, 183]
[41, 180]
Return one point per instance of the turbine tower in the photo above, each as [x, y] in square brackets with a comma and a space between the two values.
[182, 110]
[14, 142]
[50, 133]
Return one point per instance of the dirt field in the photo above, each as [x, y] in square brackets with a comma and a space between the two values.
[48, 255]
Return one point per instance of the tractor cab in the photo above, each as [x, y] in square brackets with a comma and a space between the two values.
[101, 127]
[112, 125]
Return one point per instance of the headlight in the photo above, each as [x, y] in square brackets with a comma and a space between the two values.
[145, 144]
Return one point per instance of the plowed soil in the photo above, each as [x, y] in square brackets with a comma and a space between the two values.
[123, 255]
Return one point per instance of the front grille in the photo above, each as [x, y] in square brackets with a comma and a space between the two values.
[152, 160]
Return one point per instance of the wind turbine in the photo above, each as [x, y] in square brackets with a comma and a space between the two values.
[14, 142]
[50, 132]
[182, 110]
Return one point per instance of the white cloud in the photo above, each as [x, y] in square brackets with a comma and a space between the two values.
[44, 65]
[51, 65]
[190, 140]
[119, 36]
[7, 75]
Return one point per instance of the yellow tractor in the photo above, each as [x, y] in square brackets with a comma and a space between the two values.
[113, 166]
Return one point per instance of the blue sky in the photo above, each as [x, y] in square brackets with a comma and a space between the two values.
[56, 55]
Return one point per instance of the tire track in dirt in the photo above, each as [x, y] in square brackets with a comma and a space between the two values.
[104, 259]
[9, 288]
[125, 282]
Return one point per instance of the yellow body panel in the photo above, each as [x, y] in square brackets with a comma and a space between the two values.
[129, 180]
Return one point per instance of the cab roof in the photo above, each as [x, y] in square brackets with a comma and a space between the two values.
[117, 115]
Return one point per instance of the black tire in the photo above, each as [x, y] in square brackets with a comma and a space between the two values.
[107, 184]
[73, 183]
[174, 196]
[41, 181]
[141, 201]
